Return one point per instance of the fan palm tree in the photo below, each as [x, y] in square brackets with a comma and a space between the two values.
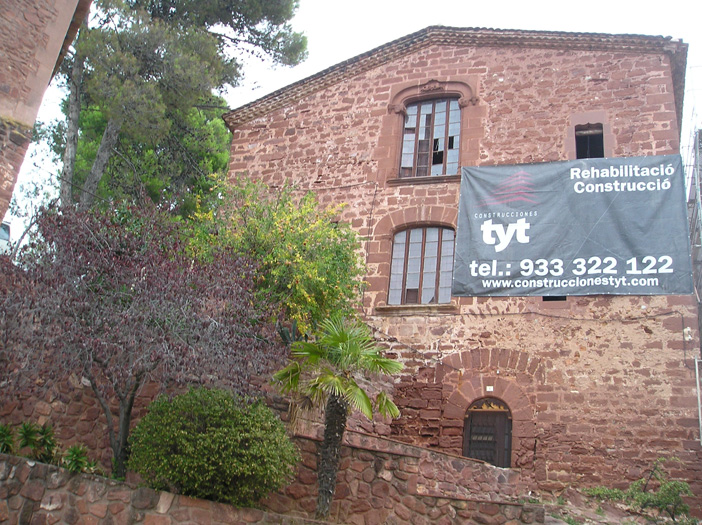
[323, 374]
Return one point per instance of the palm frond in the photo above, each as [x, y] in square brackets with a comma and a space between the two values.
[329, 382]
[312, 353]
[358, 399]
[288, 377]
[377, 364]
[385, 406]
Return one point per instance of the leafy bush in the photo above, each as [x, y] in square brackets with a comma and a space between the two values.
[76, 459]
[42, 445]
[210, 445]
[605, 493]
[667, 499]
[7, 439]
[39, 440]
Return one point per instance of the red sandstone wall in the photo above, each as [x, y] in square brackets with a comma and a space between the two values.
[396, 485]
[31, 37]
[599, 387]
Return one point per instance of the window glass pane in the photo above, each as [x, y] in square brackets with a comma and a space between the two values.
[446, 272]
[408, 143]
[429, 288]
[397, 269]
[431, 126]
[411, 117]
[431, 247]
[423, 258]
[414, 261]
[440, 118]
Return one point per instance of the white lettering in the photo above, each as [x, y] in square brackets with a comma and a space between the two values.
[504, 236]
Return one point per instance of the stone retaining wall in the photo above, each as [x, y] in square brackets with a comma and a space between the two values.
[374, 487]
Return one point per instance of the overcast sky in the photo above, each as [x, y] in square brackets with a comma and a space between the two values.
[341, 29]
[338, 30]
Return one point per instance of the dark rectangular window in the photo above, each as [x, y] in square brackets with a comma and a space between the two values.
[589, 141]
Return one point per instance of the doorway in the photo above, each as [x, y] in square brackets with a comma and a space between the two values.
[487, 432]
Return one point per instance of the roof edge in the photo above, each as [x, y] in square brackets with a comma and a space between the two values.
[475, 37]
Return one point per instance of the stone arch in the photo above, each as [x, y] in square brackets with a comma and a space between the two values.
[415, 216]
[432, 89]
[462, 390]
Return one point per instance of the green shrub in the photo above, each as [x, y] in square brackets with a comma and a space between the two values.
[210, 445]
[28, 434]
[664, 495]
[668, 499]
[76, 459]
[7, 439]
[605, 493]
[39, 440]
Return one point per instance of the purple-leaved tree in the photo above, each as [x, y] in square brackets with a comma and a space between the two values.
[119, 298]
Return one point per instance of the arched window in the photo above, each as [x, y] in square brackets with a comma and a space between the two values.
[487, 432]
[431, 138]
[422, 266]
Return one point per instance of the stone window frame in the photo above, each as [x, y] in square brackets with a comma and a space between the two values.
[583, 119]
[433, 145]
[380, 254]
[411, 93]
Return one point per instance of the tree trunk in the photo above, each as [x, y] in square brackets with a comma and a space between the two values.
[69, 155]
[330, 453]
[119, 439]
[126, 405]
[104, 153]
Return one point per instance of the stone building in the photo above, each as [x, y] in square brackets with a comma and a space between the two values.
[34, 38]
[580, 390]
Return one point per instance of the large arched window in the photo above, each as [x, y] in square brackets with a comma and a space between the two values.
[431, 138]
[487, 432]
[422, 266]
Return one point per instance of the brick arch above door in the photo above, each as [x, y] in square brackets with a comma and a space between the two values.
[464, 386]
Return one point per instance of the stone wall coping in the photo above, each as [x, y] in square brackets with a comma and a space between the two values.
[373, 443]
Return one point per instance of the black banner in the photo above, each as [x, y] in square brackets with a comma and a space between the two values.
[593, 226]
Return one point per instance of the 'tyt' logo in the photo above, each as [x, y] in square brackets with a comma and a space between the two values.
[504, 236]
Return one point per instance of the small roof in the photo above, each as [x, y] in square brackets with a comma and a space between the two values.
[467, 37]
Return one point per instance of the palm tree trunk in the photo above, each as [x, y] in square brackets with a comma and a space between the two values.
[330, 452]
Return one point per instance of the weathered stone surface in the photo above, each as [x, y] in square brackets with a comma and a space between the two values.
[91, 499]
[579, 376]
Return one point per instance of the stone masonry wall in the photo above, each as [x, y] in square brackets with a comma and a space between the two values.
[33, 492]
[397, 485]
[14, 141]
[598, 386]
[31, 36]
